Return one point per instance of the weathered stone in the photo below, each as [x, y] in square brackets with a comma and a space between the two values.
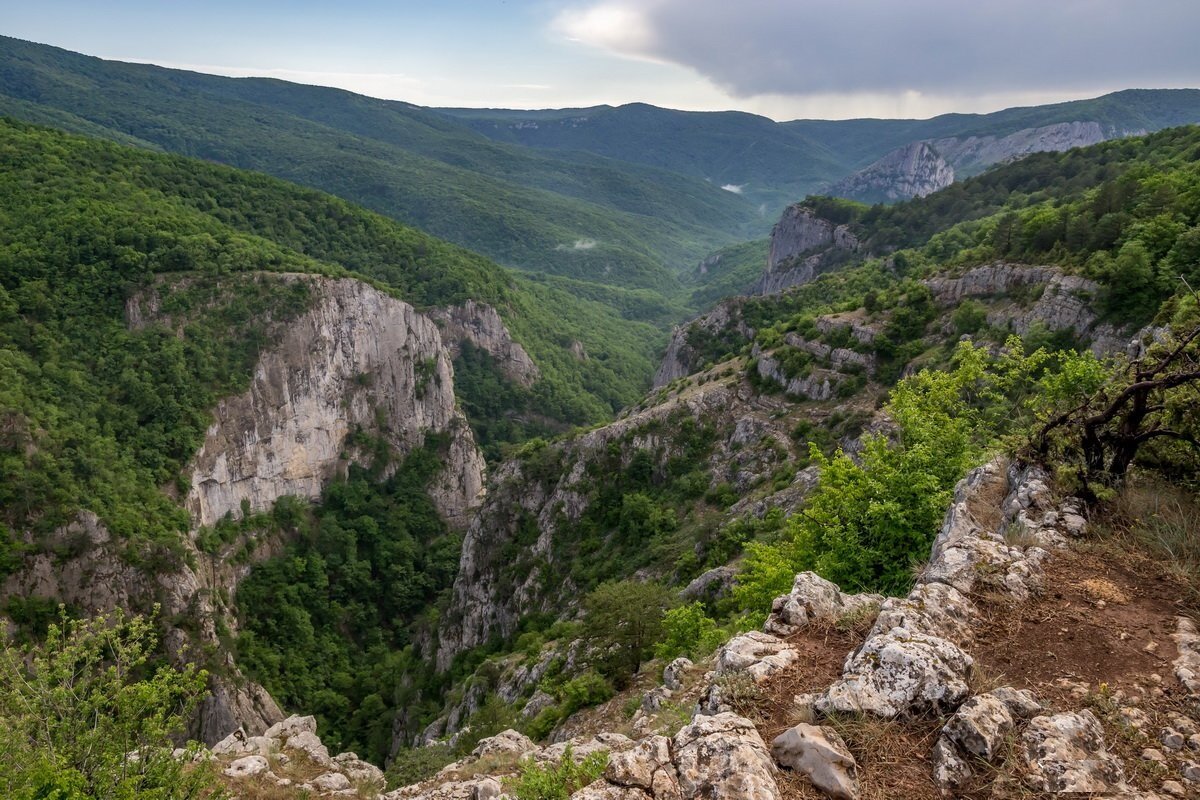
[247, 767]
[1066, 753]
[936, 609]
[1172, 739]
[951, 771]
[723, 756]
[980, 726]
[913, 170]
[647, 766]
[310, 745]
[900, 673]
[359, 771]
[291, 726]
[1021, 703]
[822, 755]
[487, 789]
[603, 790]
[760, 655]
[506, 743]
[813, 598]
[673, 673]
[331, 782]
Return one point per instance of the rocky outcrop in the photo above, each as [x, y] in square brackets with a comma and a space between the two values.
[724, 756]
[356, 357]
[481, 326]
[915, 170]
[814, 599]
[803, 245]
[682, 357]
[750, 440]
[817, 384]
[972, 154]
[1066, 753]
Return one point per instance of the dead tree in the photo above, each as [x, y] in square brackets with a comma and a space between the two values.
[1109, 427]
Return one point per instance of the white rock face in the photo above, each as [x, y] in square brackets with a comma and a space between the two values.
[247, 767]
[822, 755]
[971, 154]
[800, 232]
[509, 742]
[980, 726]
[648, 767]
[1067, 753]
[723, 756]
[357, 353]
[914, 170]
[481, 325]
[681, 359]
[673, 673]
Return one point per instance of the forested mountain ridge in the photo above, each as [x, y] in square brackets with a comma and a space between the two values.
[779, 163]
[574, 214]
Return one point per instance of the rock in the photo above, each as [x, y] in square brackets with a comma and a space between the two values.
[1191, 771]
[822, 755]
[506, 743]
[648, 767]
[1066, 753]
[308, 743]
[233, 743]
[582, 747]
[538, 703]
[603, 790]
[1151, 754]
[723, 756]
[482, 326]
[487, 789]
[673, 673]
[287, 433]
[291, 726]
[1021, 703]
[813, 598]
[951, 772]
[800, 232]
[1172, 739]
[653, 700]
[247, 767]
[913, 170]
[1174, 788]
[980, 726]
[936, 609]
[359, 771]
[900, 673]
[759, 655]
[331, 782]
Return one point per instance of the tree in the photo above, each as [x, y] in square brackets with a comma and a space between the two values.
[623, 620]
[87, 717]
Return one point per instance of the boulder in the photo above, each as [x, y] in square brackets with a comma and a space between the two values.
[506, 743]
[648, 767]
[760, 655]
[980, 726]
[359, 771]
[951, 772]
[247, 767]
[723, 756]
[936, 609]
[1066, 753]
[331, 782]
[822, 755]
[308, 743]
[603, 790]
[900, 673]
[291, 726]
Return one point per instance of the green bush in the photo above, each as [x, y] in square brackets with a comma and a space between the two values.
[556, 781]
[688, 631]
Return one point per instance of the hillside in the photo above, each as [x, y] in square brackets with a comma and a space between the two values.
[572, 214]
[779, 163]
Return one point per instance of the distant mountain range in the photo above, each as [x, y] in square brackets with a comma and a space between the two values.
[613, 204]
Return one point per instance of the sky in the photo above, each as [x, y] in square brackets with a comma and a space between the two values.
[785, 59]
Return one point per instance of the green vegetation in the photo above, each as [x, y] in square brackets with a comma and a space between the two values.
[571, 214]
[88, 715]
[731, 271]
[623, 620]
[556, 781]
[331, 625]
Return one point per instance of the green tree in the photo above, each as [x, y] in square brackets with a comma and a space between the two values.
[86, 715]
[623, 620]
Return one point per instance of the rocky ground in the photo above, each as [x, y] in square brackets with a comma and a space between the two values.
[1027, 661]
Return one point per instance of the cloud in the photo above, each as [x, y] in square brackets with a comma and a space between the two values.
[580, 244]
[736, 188]
[921, 48]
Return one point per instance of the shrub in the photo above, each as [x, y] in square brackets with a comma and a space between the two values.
[687, 630]
[556, 781]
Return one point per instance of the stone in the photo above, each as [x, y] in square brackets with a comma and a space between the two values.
[247, 767]
[936, 609]
[603, 790]
[980, 726]
[722, 756]
[648, 767]
[1021, 703]
[673, 673]
[537, 703]
[291, 726]
[506, 743]
[1066, 753]
[487, 789]
[331, 782]
[359, 771]
[822, 755]
[582, 747]
[307, 742]
[1174, 788]
[653, 700]
[760, 655]
[951, 771]
[1172, 739]
[1191, 771]
[912, 170]
[813, 598]
[233, 743]
[900, 673]
[1152, 754]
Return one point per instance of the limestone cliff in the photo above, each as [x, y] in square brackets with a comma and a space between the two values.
[971, 154]
[481, 325]
[682, 357]
[803, 245]
[356, 359]
[914, 170]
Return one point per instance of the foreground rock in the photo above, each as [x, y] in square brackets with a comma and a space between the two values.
[1066, 753]
[723, 756]
[820, 754]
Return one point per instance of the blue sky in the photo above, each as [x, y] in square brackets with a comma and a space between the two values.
[782, 58]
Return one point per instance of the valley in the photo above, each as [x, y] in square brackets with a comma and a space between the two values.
[441, 453]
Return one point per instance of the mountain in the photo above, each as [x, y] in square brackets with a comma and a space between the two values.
[914, 170]
[573, 214]
[777, 163]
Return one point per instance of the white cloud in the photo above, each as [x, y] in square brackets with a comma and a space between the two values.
[580, 244]
[736, 188]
